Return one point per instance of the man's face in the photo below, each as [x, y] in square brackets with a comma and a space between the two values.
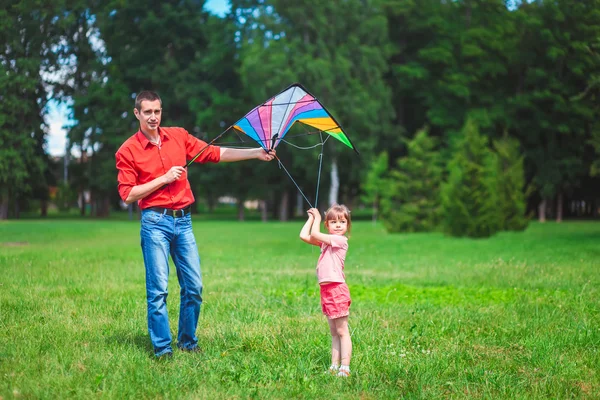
[149, 115]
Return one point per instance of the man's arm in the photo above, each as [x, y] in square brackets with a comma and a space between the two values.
[231, 155]
[140, 191]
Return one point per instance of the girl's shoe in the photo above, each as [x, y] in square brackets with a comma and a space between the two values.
[333, 370]
[343, 373]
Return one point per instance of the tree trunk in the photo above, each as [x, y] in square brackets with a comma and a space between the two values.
[559, 207]
[240, 209]
[335, 183]
[283, 206]
[93, 205]
[211, 203]
[44, 208]
[375, 209]
[542, 211]
[82, 204]
[264, 216]
[3, 205]
[103, 207]
[299, 204]
[468, 15]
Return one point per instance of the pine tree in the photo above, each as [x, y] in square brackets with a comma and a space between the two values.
[375, 181]
[510, 185]
[411, 202]
[469, 199]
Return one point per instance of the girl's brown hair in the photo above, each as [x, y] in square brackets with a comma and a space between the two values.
[338, 211]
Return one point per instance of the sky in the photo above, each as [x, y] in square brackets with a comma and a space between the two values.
[57, 113]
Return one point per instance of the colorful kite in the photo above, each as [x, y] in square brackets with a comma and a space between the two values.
[270, 122]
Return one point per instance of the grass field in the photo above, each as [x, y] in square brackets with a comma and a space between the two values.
[515, 316]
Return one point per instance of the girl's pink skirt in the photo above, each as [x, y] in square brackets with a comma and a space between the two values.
[335, 300]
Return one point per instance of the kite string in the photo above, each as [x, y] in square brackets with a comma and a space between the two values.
[298, 187]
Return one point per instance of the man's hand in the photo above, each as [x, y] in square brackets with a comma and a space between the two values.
[264, 156]
[173, 174]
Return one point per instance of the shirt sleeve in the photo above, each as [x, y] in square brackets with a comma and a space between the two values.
[127, 175]
[194, 145]
[338, 242]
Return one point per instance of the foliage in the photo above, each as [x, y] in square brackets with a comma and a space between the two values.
[342, 61]
[375, 182]
[510, 185]
[411, 199]
[469, 197]
[527, 69]
[66, 197]
[27, 31]
[553, 62]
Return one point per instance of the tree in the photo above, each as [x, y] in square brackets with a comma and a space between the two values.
[469, 200]
[411, 199]
[375, 181]
[553, 62]
[217, 101]
[510, 185]
[449, 58]
[28, 30]
[341, 60]
[141, 48]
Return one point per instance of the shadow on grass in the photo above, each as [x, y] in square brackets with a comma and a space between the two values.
[139, 340]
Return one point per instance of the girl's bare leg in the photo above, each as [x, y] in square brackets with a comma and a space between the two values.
[345, 342]
[335, 343]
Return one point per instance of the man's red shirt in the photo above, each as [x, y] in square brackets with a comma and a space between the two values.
[139, 162]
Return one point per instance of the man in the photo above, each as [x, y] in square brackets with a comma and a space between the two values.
[150, 171]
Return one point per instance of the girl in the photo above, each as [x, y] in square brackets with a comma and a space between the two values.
[335, 296]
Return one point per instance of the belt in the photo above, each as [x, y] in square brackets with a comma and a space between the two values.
[169, 211]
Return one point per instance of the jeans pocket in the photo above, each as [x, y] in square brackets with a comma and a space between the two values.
[151, 217]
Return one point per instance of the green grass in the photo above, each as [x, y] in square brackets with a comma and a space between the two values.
[515, 316]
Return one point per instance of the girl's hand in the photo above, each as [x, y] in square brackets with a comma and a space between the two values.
[316, 214]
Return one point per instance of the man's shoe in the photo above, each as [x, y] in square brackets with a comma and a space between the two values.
[196, 349]
[165, 356]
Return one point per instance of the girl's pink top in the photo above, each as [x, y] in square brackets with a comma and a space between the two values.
[330, 267]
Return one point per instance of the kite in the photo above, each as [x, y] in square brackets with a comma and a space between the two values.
[268, 124]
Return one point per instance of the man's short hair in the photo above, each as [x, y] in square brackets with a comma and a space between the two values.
[146, 95]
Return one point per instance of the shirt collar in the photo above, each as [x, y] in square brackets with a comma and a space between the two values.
[144, 140]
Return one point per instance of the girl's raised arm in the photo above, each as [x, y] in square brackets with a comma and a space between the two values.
[305, 231]
[315, 231]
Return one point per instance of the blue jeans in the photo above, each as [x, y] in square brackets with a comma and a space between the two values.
[163, 235]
